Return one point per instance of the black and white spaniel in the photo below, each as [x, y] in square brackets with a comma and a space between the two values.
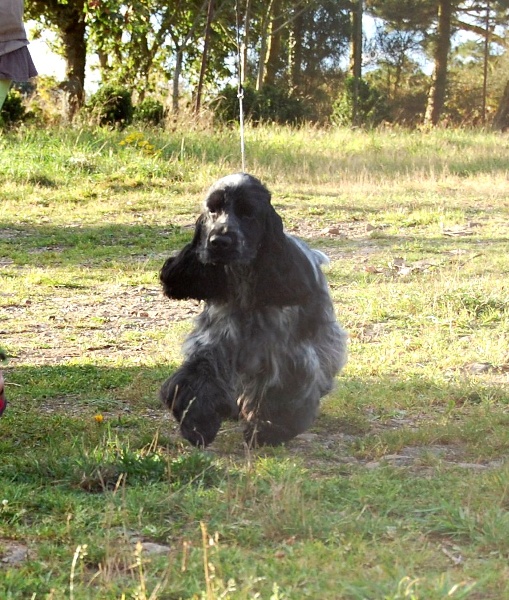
[267, 345]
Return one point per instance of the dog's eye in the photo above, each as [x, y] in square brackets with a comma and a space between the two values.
[244, 210]
[215, 203]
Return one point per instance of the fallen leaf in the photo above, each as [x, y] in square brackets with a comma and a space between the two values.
[397, 263]
[480, 367]
[331, 231]
[457, 559]
[154, 549]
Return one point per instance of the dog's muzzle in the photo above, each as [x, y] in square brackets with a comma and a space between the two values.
[222, 246]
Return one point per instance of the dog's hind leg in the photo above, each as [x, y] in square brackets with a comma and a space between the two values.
[278, 421]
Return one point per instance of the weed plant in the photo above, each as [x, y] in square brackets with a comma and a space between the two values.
[400, 490]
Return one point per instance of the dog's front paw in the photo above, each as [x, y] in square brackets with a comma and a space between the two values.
[199, 413]
[200, 433]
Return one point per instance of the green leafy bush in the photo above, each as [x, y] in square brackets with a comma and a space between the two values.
[112, 105]
[149, 111]
[359, 104]
[271, 104]
[13, 110]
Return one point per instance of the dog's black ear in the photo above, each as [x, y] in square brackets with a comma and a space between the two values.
[183, 276]
[285, 276]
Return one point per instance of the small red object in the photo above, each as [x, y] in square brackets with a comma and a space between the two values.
[3, 401]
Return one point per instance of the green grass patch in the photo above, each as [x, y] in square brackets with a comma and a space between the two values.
[398, 491]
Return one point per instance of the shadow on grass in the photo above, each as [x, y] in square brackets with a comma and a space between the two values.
[357, 406]
[335, 202]
[93, 438]
[51, 431]
[86, 383]
[92, 246]
[57, 388]
[43, 244]
[84, 424]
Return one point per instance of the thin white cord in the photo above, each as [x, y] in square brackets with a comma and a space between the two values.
[240, 90]
[240, 96]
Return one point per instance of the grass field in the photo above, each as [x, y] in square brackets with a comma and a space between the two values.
[400, 490]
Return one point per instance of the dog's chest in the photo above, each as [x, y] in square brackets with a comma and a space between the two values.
[249, 341]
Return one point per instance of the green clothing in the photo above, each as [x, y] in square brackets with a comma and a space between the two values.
[5, 84]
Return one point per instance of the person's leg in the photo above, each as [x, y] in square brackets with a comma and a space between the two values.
[5, 85]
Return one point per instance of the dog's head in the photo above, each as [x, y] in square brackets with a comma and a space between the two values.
[236, 216]
[239, 228]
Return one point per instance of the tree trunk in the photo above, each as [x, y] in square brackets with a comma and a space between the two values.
[175, 94]
[436, 98]
[75, 53]
[356, 40]
[103, 63]
[274, 50]
[144, 67]
[203, 68]
[501, 119]
[486, 58]
[263, 46]
[295, 53]
[356, 56]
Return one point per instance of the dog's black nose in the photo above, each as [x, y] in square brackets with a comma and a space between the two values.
[221, 241]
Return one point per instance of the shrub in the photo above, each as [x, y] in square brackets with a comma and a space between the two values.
[149, 111]
[371, 107]
[13, 110]
[270, 104]
[112, 105]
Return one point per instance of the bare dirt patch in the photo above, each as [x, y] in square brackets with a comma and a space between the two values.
[64, 326]
[12, 553]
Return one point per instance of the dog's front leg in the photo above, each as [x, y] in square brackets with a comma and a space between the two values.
[200, 399]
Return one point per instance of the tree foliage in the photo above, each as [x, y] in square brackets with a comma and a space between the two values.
[294, 50]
